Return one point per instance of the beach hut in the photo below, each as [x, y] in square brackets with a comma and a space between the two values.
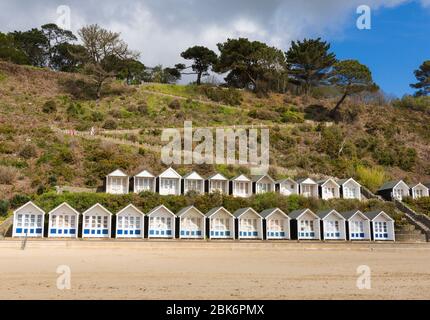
[193, 182]
[162, 223]
[169, 183]
[28, 221]
[305, 225]
[333, 225]
[192, 223]
[97, 222]
[394, 190]
[382, 226]
[221, 224]
[63, 222]
[350, 189]
[358, 225]
[263, 184]
[241, 187]
[144, 181]
[218, 183]
[130, 223]
[287, 187]
[250, 224]
[308, 188]
[329, 189]
[117, 182]
[277, 224]
[419, 191]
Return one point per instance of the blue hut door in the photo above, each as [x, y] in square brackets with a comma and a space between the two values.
[29, 225]
[357, 229]
[381, 230]
[129, 226]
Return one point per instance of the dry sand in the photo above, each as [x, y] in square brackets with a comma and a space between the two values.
[187, 270]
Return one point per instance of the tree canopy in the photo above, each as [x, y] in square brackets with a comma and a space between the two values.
[203, 59]
[423, 77]
[351, 77]
[248, 63]
[309, 62]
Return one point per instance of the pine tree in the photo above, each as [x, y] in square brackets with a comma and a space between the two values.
[423, 77]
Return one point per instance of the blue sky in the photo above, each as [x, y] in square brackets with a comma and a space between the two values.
[397, 44]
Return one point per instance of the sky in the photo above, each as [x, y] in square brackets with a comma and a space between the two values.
[397, 43]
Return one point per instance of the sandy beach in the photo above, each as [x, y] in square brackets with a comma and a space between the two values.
[188, 270]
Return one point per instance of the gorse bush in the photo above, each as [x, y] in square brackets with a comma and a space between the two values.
[229, 96]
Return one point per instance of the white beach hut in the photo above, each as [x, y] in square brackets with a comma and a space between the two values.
[287, 187]
[241, 187]
[306, 224]
[250, 224]
[382, 226]
[358, 225]
[117, 182]
[277, 224]
[221, 224]
[329, 189]
[28, 221]
[97, 222]
[169, 183]
[419, 191]
[263, 184]
[218, 183]
[144, 181]
[308, 188]
[63, 222]
[333, 225]
[130, 223]
[162, 223]
[192, 223]
[193, 182]
[350, 189]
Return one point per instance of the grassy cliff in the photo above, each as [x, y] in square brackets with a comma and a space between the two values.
[377, 142]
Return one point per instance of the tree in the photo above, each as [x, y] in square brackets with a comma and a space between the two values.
[351, 77]
[33, 43]
[423, 77]
[103, 49]
[204, 59]
[248, 63]
[309, 62]
[9, 51]
[159, 74]
[57, 41]
[68, 57]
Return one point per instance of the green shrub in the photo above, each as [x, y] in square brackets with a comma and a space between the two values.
[291, 116]
[175, 105]
[414, 103]
[97, 116]
[19, 200]
[110, 124]
[229, 96]
[49, 106]
[372, 178]
[4, 208]
[264, 115]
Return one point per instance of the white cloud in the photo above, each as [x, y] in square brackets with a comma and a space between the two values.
[164, 28]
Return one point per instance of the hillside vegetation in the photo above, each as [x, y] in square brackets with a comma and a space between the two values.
[378, 142]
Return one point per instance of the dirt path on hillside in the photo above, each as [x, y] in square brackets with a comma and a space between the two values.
[215, 272]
